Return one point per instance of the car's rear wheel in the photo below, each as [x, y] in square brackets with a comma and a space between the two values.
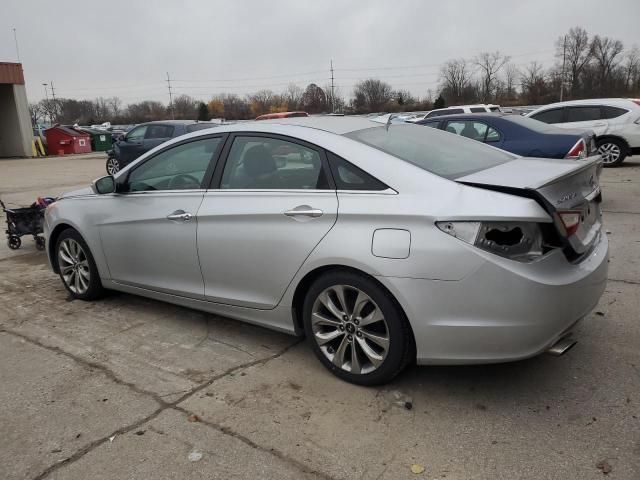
[613, 151]
[356, 329]
[113, 166]
[76, 266]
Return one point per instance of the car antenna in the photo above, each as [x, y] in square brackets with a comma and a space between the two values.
[391, 115]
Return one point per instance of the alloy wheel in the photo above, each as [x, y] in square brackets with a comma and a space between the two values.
[113, 166]
[350, 329]
[610, 152]
[74, 266]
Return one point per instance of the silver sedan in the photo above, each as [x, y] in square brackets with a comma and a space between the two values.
[383, 244]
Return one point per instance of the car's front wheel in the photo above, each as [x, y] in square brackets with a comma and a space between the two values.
[613, 151]
[76, 266]
[356, 329]
[113, 166]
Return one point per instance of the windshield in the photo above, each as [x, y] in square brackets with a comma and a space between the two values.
[446, 155]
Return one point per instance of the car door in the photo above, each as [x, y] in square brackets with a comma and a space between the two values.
[131, 146]
[149, 233]
[157, 134]
[272, 203]
[586, 117]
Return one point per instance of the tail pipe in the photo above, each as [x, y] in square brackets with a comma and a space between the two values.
[562, 346]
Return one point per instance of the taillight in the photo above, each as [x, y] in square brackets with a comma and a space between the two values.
[571, 220]
[636, 101]
[579, 150]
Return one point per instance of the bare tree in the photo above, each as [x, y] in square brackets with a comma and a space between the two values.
[293, 95]
[606, 52]
[115, 104]
[632, 70]
[314, 99]
[35, 112]
[373, 94]
[185, 107]
[455, 76]
[533, 83]
[489, 65]
[511, 74]
[261, 102]
[574, 50]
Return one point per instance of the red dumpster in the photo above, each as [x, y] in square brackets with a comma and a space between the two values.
[64, 140]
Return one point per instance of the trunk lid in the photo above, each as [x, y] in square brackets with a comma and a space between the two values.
[559, 186]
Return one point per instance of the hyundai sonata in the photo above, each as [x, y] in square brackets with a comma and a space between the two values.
[383, 244]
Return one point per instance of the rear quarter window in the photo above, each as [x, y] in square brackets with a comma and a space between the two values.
[612, 112]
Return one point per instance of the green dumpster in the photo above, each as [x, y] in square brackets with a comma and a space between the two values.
[100, 139]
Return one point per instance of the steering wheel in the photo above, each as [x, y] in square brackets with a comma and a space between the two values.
[184, 181]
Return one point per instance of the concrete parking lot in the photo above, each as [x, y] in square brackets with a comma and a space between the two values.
[132, 388]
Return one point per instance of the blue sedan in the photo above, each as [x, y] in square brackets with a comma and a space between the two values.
[517, 134]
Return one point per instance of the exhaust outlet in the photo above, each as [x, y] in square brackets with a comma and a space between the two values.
[562, 346]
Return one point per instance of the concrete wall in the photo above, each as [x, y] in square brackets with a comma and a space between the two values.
[16, 133]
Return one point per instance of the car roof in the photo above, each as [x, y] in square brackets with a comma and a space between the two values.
[466, 115]
[174, 122]
[625, 102]
[328, 123]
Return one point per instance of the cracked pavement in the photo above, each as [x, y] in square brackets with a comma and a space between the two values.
[106, 390]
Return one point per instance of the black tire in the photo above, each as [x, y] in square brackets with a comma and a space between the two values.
[613, 151]
[95, 289]
[14, 242]
[112, 166]
[401, 346]
[40, 243]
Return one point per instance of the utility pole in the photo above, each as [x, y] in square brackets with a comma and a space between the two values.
[46, 96]
[333, 103]
[15, 38]
[55, 104]
[170, 96]
[564, 59]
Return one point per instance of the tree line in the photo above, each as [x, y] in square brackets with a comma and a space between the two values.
[585, 67]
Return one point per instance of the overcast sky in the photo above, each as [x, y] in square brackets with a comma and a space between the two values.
[126, 48]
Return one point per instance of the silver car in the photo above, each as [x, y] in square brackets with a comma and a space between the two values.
[383, 244]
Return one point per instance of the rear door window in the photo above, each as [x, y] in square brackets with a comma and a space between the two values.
[159, 131]
[265, 163]
[583, 114]
[554, 115]
[468, 128]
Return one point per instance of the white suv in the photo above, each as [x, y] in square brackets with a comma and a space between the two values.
[615, 121]
[456, 109]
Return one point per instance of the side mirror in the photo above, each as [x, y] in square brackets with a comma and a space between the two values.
[104, 185]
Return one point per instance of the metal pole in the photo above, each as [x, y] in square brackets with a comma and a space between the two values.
[333, 103]
[564, 58]
[46, 96]
[170, 97]
[15, 38]
[55, 104]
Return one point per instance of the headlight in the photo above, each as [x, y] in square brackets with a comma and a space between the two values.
[520, 241]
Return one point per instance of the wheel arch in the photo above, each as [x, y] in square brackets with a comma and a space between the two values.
[53, 240]
[305, 283]
[608, 136]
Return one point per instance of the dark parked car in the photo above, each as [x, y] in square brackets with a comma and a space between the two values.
[144, 137]
[517, 134]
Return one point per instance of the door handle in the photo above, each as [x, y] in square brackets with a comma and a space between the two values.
[180, 216]
[304, 211]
